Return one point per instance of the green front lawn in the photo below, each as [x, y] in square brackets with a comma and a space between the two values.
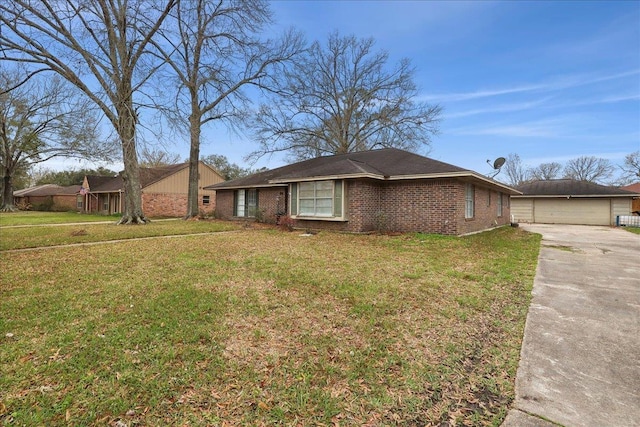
[36, 218]
[262, 327]
[37, 236]
[635, 230]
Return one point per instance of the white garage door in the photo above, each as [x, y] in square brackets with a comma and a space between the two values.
[573, 211]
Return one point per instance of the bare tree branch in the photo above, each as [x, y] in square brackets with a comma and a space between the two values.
[214, 51]
[341, 98]
[96, 45]
[517, 173]
[40, 119]
[546, 171]
[589, 168]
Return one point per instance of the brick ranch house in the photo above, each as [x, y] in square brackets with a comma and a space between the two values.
[164, 191]
[384, 190]
[48, 196]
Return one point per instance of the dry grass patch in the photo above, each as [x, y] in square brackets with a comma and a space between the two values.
[260, 327]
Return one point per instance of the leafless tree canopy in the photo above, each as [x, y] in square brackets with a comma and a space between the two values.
[544, 171]
[98, 46]
[589, 168]
[631, 167]
[153, 158]
[42, 118]
[517, 173]
[341, 98]
[213, 51]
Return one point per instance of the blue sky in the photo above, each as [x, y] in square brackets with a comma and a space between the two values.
[548, 80]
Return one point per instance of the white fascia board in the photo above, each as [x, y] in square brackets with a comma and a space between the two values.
[463, 174]
[572, 196]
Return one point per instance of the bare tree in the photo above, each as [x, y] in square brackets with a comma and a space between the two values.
[98, 46]
[214, 51]
[631, 167]
[41, 119]
[517, 174]
[589, 168]
[341, 98]
[153, 158]
[546, 171]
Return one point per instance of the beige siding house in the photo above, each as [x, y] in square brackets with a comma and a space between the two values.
[164, 191]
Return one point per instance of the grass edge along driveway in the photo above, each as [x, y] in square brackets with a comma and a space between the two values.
[262, 327]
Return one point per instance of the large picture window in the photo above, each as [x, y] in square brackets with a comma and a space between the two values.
[469, 201]
[245, 203]
[318, 199]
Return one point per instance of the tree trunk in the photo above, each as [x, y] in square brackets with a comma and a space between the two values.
[194, 158]
[7, 194]
[131, 176]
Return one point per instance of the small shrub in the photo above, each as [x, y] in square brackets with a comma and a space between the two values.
[23, 205]
[286, 223]
[260, 215]
[46, 205]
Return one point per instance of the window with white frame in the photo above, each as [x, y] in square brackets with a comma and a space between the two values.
[245, 203]
[469, 196]
[317, 199]
[206, 200]
[79, 201]
[499, 204]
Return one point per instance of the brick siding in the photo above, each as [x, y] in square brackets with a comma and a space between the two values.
[428, 206]
[271, 201]
[172, 204]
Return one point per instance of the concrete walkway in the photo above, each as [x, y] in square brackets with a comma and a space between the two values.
[580, 359]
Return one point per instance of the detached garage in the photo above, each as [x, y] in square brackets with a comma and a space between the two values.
[566, 201]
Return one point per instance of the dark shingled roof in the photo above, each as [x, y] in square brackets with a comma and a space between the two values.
[569, 187]
[104, 184]
[380, 164]
[47, 190]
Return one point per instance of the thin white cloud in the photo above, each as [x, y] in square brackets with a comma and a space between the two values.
[560, 83]
[504, 108]
[536, 129]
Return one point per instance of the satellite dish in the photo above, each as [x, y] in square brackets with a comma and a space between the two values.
[497, 164]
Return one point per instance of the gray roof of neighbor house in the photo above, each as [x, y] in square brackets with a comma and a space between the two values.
[47, 190]
[383, 164]
[570, 187]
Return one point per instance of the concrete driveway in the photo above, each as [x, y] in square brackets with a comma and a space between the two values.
[580, 359]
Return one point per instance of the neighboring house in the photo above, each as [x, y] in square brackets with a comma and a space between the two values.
[566, 201]
[385, 190]
[164, 191]
[635, 203]
[49, 197]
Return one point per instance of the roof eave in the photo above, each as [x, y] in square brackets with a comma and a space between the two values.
[240, 187]
[462, 174]
[573, 196]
